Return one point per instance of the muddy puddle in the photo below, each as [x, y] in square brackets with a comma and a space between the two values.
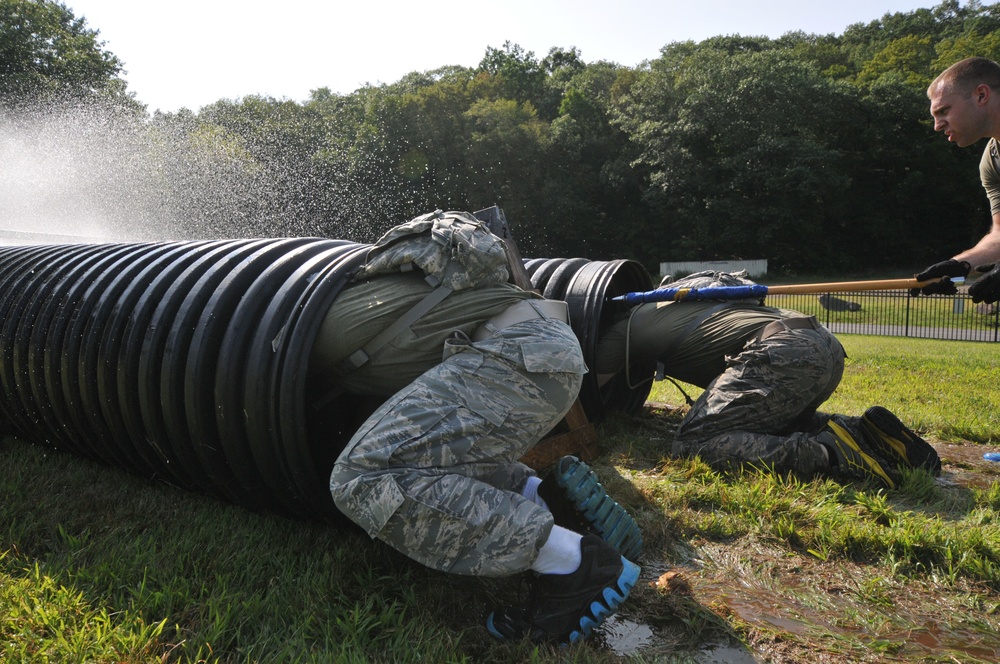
[964, 465]
[625, 637]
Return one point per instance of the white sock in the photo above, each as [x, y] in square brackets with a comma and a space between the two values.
[560, 554]
[530, 491]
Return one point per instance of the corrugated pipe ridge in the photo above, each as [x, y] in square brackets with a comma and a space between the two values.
[588, 287]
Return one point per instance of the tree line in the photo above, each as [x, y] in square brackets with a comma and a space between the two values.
[815, 152]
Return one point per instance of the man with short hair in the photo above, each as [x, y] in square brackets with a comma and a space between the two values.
[965, 105]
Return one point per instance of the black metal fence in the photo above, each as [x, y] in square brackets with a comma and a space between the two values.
[897, 313]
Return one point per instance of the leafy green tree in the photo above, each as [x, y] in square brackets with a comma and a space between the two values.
[362, 163]
[275, 141]
[210, 183]
[589, 210]
[898, 171]
[506, 139]
[435, 136]
[950, 51]
[46, 50]
[742, 156]
[511, 73]
[823, 51]
[910, 55]
[562, 64]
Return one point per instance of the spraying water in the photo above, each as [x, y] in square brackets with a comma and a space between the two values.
[96, 173]
[63, 174]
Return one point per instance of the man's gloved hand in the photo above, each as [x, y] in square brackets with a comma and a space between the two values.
[946, 269]
[987, 287]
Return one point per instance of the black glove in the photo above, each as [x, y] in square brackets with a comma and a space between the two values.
[946, 269]
[987, 287]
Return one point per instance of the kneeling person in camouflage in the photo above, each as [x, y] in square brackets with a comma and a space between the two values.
[765, 372]
[473, 383]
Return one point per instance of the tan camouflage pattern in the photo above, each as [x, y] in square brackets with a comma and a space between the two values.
[434, 471]
[454, 247]
[762, 410]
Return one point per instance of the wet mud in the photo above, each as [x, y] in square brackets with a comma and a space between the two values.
[964, 465]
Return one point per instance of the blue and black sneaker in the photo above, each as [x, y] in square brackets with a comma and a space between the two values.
[579, 502]
[565, 608]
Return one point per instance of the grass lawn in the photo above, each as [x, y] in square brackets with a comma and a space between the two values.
[100, 566]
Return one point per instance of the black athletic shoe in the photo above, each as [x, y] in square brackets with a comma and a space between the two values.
[892, 439]
[854, 460]
[579, 502]
[565, 608]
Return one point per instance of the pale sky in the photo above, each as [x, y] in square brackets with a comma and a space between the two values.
[189, 53]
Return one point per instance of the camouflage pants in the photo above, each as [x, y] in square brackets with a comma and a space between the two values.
[434, 471]
[762, 410]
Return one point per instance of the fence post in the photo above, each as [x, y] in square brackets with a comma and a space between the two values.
[996, 321]
[906, 328]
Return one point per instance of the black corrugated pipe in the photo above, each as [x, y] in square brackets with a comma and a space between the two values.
[184, 361]
[588, 287]
[188, 361]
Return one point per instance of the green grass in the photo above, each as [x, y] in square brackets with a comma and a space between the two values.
[100, 566]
